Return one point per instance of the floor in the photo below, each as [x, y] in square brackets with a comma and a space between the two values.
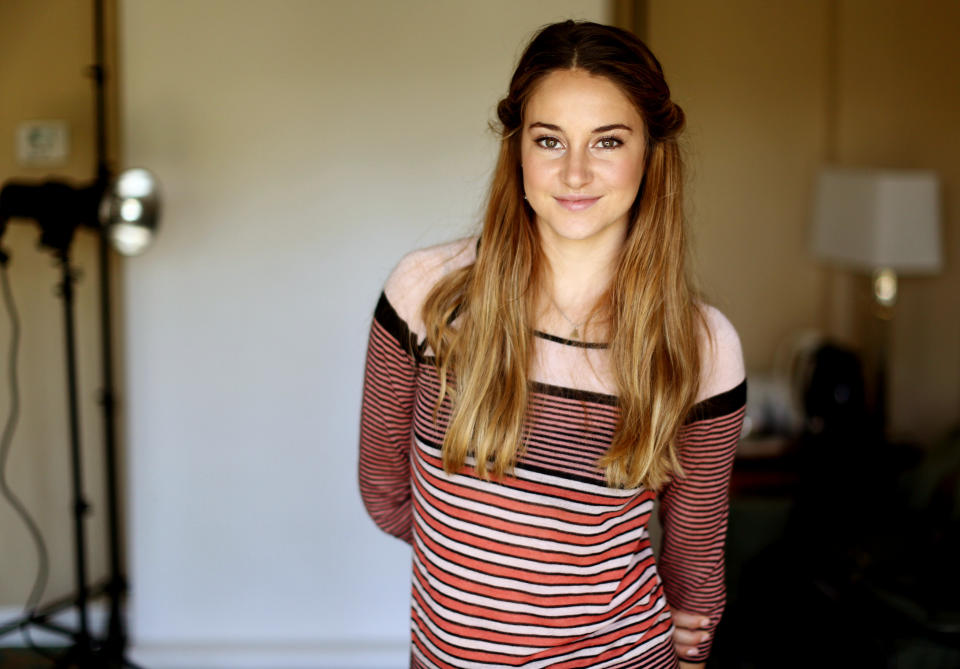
[46, 658]
[23, 658]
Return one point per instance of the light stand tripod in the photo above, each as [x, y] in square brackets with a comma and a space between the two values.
[60, 209]
[125, 211]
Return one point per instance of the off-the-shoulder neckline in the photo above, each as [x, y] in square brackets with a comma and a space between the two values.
[715, 405]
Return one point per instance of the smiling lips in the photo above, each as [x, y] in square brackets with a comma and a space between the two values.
[576, 202]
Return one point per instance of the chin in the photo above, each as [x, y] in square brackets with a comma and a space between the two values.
[584, 231]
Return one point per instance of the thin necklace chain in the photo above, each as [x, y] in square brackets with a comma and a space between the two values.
[575, 332]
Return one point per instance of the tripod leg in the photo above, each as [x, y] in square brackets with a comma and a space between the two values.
[83, 645]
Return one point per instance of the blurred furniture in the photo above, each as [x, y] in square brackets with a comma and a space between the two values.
[843, 549]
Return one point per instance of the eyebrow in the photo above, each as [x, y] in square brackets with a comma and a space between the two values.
[602, 128]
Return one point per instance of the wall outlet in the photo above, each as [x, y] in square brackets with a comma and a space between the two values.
[43, 143]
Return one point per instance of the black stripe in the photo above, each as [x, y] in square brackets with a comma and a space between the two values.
[569, 342]
[723, 404]
[396, 327]
[575, 394]
[712, 407]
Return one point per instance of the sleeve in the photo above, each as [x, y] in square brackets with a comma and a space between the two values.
[694, 507]
[386, 422]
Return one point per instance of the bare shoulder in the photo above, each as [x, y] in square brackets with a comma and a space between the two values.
[721, 356]
[418, 272]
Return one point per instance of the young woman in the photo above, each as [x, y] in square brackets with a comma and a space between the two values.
[529, 393]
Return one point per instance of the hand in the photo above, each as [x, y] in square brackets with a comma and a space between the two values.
[689, 631]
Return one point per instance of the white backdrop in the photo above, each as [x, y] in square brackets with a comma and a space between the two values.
[303, 147]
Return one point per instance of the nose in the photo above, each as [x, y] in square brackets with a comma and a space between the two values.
[576, 168]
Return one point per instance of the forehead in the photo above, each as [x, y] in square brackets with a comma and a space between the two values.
[573, 98]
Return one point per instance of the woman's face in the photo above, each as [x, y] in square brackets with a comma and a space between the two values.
[582, 152]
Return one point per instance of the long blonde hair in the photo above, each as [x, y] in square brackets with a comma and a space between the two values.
[479, 319]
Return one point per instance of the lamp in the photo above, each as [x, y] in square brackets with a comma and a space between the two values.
[127, 208]
[882, 222]
[879, 221]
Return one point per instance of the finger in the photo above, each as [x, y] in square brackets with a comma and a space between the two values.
[688, 637]
[690, 620]
[685, 649]
[686, 654]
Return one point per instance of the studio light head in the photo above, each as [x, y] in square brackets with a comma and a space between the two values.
[127, 209]
[130, 211]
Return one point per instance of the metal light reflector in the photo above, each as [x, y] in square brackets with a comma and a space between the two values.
[130, 211]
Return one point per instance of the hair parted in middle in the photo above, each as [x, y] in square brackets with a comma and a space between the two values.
[479, 319]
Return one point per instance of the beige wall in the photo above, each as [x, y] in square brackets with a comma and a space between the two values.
[898, 106]
[751, 77]
[773, 90]
[44, 49]
[303, 148]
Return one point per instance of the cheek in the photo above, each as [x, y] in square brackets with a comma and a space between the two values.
[627, 175]
[536, 173]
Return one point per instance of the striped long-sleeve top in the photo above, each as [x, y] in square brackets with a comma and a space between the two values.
[547, 567]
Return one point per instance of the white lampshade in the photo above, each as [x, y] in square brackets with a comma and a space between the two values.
[871, 218]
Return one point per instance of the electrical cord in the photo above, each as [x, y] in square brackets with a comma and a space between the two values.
[43, 566]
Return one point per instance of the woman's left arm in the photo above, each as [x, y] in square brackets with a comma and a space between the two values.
[693, 507]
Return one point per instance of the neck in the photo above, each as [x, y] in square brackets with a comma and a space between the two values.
[576, 275]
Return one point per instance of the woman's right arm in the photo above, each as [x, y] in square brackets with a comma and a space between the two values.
[386, 422]
[389, 386]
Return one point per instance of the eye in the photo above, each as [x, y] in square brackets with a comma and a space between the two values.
[548, 142]
[609, 143]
